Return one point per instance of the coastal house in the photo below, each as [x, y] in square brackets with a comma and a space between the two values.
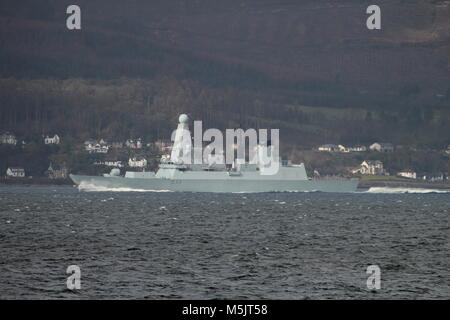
[382, 147]
[52, 139]
[134, 144]
[370, 167]
[163, 146]
[89, 144]
[438, 177]
[137, 162]
[15, 172]
[447, 151]
[98, 148]
[101, 149]
[341, 148]
[329, 148]
[93, 146]
[357, 148]
[57, 171]
[110, 163]
[8, 138]
[407, 174]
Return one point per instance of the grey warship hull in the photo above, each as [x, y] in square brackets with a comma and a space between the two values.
[266, 172]
[232, 185]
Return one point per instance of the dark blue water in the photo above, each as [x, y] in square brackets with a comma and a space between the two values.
[205, 246]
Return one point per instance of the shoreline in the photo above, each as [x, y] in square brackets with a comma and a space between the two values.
[363, 184]
[35, 182]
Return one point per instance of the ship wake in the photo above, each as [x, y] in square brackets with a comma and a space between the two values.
[393, 190]
[88, 187]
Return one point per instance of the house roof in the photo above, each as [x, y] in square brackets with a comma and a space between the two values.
[373, 162]
[139, 158]
[383, 144]
[329, 146]
[16, 168]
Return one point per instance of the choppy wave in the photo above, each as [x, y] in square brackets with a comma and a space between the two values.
[88, 187]
[298, 191]
[119, 235]
[404, 190]
[285, 191]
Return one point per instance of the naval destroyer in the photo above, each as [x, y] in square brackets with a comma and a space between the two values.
[173, 175]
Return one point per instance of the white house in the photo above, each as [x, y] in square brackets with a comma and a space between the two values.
[341, 148]
[110, 163]
[15, 172]
[447, 151]
[56, 171]
[100, 148]
[134, 144]
[93, 147]
[434, 177]
[382, 147]
[89, 145]
[329, 148]
[52, 140]
[357, 149]
[8, 138]
[137, 162]
[370, 167]
[407, 174]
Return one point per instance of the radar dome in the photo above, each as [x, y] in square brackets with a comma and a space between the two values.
[183, 118]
